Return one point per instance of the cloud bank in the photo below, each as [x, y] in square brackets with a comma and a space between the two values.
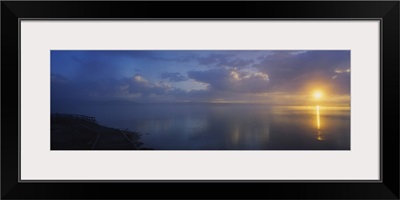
[197, 76]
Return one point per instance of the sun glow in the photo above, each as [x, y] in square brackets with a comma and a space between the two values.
[317, 95]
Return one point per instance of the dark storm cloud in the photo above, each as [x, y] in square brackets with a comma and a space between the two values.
[149, 76]
[83, 90]
[92, 70]
[214, 58]
[161, 55]
[105, 89]
[104, 64]
[173, 76]
[224, 60]
[134, 89]
[56, 78]
[237, 62]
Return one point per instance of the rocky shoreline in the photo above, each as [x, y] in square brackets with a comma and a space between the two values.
[80, 132]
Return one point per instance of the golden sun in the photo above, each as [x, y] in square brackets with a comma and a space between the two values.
[317, 95]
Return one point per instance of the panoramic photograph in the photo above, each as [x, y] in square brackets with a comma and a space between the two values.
[200, 100]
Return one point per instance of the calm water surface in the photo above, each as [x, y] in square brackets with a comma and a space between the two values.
[230, 126]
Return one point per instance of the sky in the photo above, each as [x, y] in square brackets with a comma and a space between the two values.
[215, 76]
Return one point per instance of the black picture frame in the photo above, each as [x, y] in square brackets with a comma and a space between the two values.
[386, 11]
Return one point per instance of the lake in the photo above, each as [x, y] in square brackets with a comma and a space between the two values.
[219, 126]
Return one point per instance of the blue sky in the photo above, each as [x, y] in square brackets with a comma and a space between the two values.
[262, 76]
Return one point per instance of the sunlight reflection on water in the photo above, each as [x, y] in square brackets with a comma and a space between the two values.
[232, 126]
